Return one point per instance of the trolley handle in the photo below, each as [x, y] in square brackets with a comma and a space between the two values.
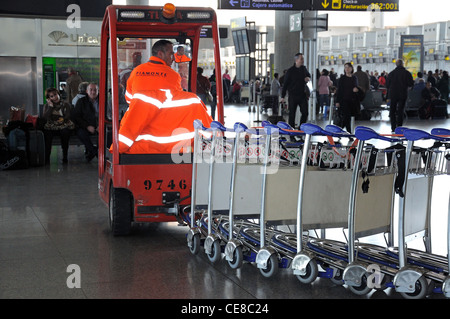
[285, 128]
[336, 131]
[364, 133]
[416, 134]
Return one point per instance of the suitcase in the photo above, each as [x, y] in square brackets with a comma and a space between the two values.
[36, 150]
[439, 110]
[11, 160]
[17, 140]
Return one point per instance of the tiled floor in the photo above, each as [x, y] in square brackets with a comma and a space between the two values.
[52, 217]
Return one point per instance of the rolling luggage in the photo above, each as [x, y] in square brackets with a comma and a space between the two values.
[36, 150]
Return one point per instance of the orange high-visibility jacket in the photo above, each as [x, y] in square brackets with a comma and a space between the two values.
[160, 116]
[161, 121]
[153, 75]
[181, 58]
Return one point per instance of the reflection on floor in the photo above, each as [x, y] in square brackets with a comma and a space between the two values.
[52, 217]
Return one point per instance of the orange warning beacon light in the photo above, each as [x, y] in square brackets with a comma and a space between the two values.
[168, 11]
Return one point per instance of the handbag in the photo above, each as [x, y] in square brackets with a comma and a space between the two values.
[209, 96]
[16, 113]
[338, 117]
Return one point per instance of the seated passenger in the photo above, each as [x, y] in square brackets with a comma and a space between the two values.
[85, 116]
[57, 116]
[161, 115]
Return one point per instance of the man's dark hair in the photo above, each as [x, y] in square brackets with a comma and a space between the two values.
[160, 46]
[297, 55]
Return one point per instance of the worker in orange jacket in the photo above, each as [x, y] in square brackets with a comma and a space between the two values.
[160, 115]
[182, 62]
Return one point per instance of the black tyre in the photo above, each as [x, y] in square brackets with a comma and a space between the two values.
[420, 292]
[195, 246]
[216, 252]
[120, 211]
[238, 258]
[362, 289]
[312, 271]
[272, 267]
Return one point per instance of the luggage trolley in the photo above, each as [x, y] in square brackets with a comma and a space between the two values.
[252, 240]
[416, 266]
[213, 166]
[381, 165]
[250, 187]
[208, 162]
[375, 210]
[387, 258]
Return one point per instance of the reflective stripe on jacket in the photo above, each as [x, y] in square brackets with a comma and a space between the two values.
[153, 75]
[160, 121]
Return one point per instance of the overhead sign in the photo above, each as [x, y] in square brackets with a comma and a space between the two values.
[356, 5]
[295, 22]
[295, 5]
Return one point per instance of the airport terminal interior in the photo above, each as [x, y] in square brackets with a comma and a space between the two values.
[53, 217]
[55, 236]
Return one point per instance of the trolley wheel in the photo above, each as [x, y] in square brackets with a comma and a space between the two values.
[216, 252]
[195, 247]
[120, 211]
[362, 289]
[420, 292]
[271, 267]
[312, 272]
[238, 258]
[337, 279]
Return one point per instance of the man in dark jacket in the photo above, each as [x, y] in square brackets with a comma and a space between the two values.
[294, 83]
[85, 116]
[398, 83]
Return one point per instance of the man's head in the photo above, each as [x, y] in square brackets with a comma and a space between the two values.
[399, 62]
[299, 59]
[163, 49]
[92, 91]
[180, 50]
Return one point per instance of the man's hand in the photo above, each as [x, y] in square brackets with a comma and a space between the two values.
[91, 129]
[307, 79]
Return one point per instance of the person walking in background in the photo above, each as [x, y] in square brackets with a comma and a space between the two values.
[363, 79]
[443, 86]
[324, 89]
[297, 76]
[398, 83]
[346, 100]
[275, 86]
[72, 83]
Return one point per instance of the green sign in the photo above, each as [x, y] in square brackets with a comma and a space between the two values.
[295, 22]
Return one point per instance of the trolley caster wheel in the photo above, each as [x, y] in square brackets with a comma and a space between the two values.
[194, 247]
[420, 292]
[215, 253]
[238, 258]
[337, 279]
[312, 272]
[271, 267]
[362, 289]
